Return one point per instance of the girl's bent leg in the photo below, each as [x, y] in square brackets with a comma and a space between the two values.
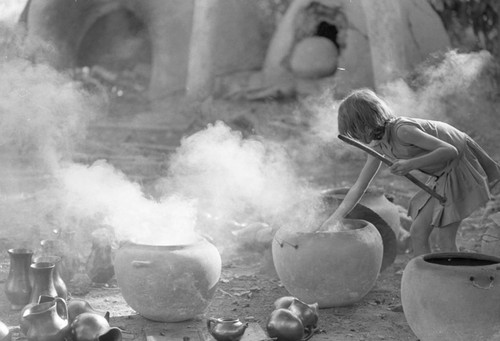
[447, 237]
[421, 229]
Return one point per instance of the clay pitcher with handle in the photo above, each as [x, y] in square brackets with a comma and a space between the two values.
[47, 321]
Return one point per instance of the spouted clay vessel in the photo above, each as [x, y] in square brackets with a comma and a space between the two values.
[226, 329]
[452, 296]
[47, 321]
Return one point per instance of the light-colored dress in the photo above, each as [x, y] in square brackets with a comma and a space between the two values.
[465, 181]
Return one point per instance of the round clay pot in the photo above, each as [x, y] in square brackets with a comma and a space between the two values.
[375, 208]
[452, 296]
[168, 283]
[329, 268]
[314, 57]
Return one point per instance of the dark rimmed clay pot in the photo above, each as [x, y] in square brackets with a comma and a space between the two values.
[226, 328]
[452, 296]
[329, 268]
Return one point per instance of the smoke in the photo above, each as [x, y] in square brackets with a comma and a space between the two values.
[43, 112]
[235, 178]
[10, 10]
[105, 193]
[435, 83]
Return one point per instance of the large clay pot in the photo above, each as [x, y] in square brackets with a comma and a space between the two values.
[330, 268]
[375, 208]
[17, 285]
[324, 62]
[452, 296]
[168, 283]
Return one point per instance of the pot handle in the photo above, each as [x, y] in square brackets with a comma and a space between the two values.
[61, 308]
[210, 322]
[485, 287]
[141, 263]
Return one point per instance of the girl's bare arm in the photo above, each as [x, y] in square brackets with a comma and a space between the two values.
[439, 151]
[355, 193]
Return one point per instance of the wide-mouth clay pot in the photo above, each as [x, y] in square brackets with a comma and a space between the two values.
[375, 208]
[452, 296]
[168, 283]
[333, 268]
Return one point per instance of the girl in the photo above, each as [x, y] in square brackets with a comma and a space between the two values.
[458, 168]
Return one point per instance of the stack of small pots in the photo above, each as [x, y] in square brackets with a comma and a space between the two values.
[35, 288]
[292, 320]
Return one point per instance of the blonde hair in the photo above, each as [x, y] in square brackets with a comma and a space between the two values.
[363, 109]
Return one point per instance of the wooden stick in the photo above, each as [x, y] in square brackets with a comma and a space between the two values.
[388, 162]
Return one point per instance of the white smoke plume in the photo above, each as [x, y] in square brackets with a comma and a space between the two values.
[435, 84]
[235, 178]
[103, 192]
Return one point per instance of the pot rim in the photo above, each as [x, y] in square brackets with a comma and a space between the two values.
[130, 244]
[360, 224]
[495, 261]
[20, 251]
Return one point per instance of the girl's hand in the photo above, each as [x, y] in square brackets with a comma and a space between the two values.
[401, 167]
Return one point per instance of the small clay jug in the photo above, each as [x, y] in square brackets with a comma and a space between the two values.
[61, 288]
[24, 324]
[47, 321]
[283, 325]
[226, 329]
[17, 285]
[93, 327]
[308, 313]
[77, 306]
[43, 281]
[5, 334]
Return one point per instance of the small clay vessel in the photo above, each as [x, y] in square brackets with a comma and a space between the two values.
[17, 285]
[5, 334]
[285, 326]
[43, 281]
[47, 321]
[308, 313]
[283, 302]
[226, 329]
[77, 306]
[61, 288]
[93, 327]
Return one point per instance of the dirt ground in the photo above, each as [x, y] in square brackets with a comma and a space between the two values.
[248, 285]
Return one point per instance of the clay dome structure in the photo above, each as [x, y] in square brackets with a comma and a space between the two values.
[234, 48]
